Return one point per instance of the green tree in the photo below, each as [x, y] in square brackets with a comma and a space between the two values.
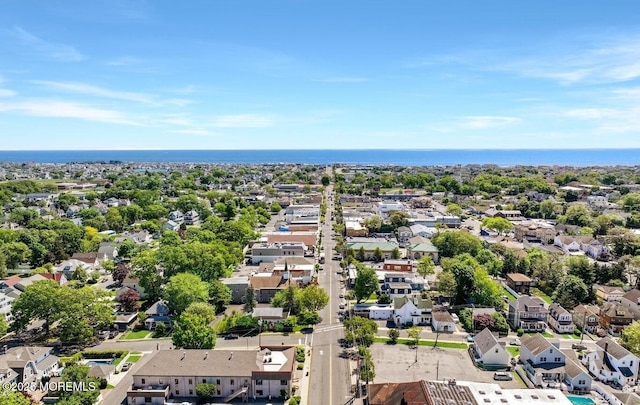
[426, 266]
[373, 223]
[203, 310]
[497, 224]
[39, 301]
[220, 295]
[414, 334]
[313, 298]
[395, 253]
[454, 209]
[145, 267]
[631, 338]
[393, 334]
[570, 292]
[183, 289]
[361, 330]
[453, 243]
[360, 254]
[579, 266]
[206, 391]
[377, 255]
[446, 283]
[192, 332]
[398, 219]
[127, 248]
[366, 283]
[578, 215]
[15, 398]
[326, 180]
[250, 300]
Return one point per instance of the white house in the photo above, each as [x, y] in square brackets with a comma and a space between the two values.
[612, 362]
[133, 283]
[560, 319]
[576, 378]
[443, 322]
[412, 310]
[543, 360]
[374, 311]
[170, 226]
[191, 217]
[176, 216]
[489, 351]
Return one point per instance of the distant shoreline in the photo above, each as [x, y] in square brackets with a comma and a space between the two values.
[401, 157]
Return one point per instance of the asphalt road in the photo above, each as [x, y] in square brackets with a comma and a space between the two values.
[330, 375]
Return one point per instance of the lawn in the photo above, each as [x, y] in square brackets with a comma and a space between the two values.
[422, 342]
[571, 336]
[542, 295]
[140, 334]
[545, 334]
[510, 296]
[133, 358]
[514, 351]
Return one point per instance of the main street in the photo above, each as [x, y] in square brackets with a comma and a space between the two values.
[330, 374]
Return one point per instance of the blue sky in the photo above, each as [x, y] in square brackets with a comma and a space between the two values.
[116, 74]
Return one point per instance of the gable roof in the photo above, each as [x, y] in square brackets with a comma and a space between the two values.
[259, 283]
[485, 340]
[612, 348]
[536, 344]
[632, 295]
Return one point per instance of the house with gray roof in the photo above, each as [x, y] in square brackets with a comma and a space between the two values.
[543, 360]
[412, 310]
[173, 374]
[528, 313]
[28, 364]
[611, 362]
[488, 350]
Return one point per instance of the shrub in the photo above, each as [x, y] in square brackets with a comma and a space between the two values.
[577, 332]
[300, 366]
[520, 332]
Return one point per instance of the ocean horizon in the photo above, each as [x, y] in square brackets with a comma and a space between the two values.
[404, 157]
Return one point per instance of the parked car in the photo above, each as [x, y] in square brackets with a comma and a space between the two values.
[578, 346]
[502, 376]
[515, 342]
[470, 339]
[113, 334]
[126, 367]
[341, 295]
[231, 336]
[103, 334]
[341, 306]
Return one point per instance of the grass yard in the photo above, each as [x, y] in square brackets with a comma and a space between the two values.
[514, 351]
[510, 296]
[542, 295]
[571, 336]
[423, 342]
[519, 379]
[545, 334]
[133, 358]
[140, 334]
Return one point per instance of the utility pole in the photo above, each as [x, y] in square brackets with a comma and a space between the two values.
[438, 370]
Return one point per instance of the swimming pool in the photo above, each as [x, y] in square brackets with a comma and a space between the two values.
[580, 400]
[99, 362]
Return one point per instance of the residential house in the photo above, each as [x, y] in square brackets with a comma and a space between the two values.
[614, 317]
[528, 313]
[27, 281]
[171, 226]
[176, 216]
[355, 228]
[191, 217]
[386, 249]
[374, 311]
[488, 351]
[72, 211]
[543, 360]
[238, 286]
[92, 259]
[609, 294]
[68, 267]
[560, 319]
[266, 286]
[125, 320]
[581, 244]
[29, 363]
[133, 283]
[631, 300]
[422, 230]
[158, 312]
[442, 321]
[412, 310]
[512, 215]
[6, 302]
[404, 234]
[398, 265]
[576, 378]
[269, 314]
[519, 283]
[534, 232]
[612, 362]
[262, 374]
[419, 250]
[587, 317]
[108, 249]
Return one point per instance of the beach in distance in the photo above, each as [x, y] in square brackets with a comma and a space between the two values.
[405, 157]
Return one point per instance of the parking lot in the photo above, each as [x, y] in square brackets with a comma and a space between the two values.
[397, 363]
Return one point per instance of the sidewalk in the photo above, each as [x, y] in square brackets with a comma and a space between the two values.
[303, 391]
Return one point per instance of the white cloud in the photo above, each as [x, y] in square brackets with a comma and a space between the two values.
[242, 121]
[52, 50]
[483, 122]
[64, 109]
[7, 93]
[591, 113]
[87, 89]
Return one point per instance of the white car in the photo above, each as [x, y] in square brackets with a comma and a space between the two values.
[515, 342]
